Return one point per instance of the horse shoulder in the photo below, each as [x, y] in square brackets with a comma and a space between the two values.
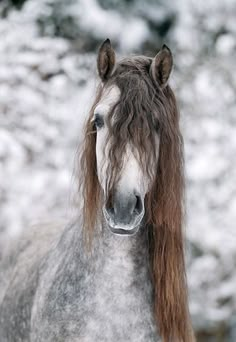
[20, 269]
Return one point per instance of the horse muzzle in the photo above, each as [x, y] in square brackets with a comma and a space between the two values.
[124, 213]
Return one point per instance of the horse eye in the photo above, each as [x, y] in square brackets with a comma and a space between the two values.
[98, 121]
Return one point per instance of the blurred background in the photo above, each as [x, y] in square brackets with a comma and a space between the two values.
[47, 84]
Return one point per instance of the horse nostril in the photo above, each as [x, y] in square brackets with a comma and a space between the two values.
[138, 207]
[110, 210]
[124, 209]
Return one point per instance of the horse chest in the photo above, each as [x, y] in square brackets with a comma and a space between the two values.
[120, 306]
[105, 298]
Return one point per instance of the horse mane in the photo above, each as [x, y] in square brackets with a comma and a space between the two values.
[164, 203]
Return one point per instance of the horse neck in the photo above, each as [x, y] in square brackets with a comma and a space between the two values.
[130, 250]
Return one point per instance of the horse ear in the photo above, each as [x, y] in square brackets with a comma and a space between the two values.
[161, 66]
[106, 60]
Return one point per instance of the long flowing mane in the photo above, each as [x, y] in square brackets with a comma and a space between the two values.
[143, 106]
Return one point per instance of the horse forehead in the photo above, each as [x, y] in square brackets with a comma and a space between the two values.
[109, 97]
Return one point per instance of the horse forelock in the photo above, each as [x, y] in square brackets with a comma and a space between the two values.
[143, 107]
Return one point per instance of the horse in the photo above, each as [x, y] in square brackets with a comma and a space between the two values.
[117, 272]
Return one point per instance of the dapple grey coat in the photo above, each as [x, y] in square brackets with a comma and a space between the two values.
[52, 289]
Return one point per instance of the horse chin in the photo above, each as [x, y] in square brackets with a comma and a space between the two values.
[124, 231]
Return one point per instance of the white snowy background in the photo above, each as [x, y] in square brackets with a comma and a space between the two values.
[47, 84]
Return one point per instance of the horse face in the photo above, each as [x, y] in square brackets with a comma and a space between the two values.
[127, 120]
[123, 208]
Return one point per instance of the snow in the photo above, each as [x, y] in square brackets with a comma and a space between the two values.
[42, 108]
[226, 44]
[129, 31]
